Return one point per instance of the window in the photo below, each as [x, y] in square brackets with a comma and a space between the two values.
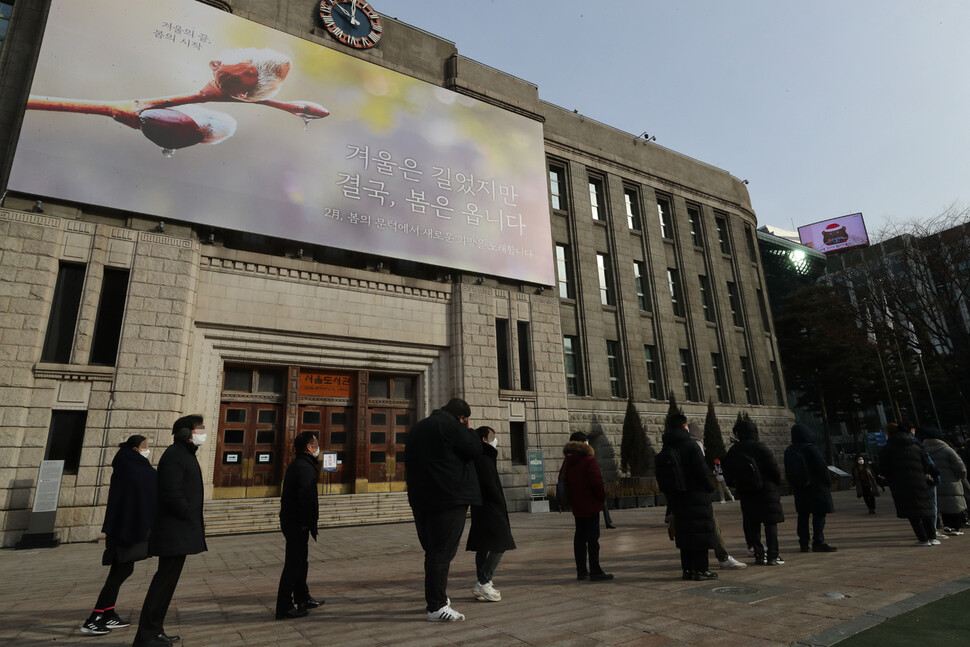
[517, 453]
[564, 270]
[722, 234]
[596, 202]
[749, 239]
[270, 381]
[613, 361]
[574, 376]
[63, 317]
[525, 355]
[676, 295]
[694, 222]
[111, 311]
[502, 350]
[663, 212]
[736, 314]
[606, 279]
[6, 10]
[706, 297]
[632, 200]
[776, 378]
[557, 187]
[65, 438]
[639, 276]
[653, 371]
[765, 319]
[687, 370]
[718, 368]
[746, 378]
[273, 380]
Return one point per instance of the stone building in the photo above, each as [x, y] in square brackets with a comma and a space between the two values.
[118, 315]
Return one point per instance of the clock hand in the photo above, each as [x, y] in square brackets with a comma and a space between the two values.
[353, 12]
[346, 13]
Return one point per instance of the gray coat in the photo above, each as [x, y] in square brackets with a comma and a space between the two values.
[949, 492]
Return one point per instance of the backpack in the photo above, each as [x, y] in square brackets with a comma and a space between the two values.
[796, 469]
[747, 474]
[670, 474]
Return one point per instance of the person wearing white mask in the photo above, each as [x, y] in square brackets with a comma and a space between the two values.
[179, 528]
[128, 520]
[299, 513]
[490, 535]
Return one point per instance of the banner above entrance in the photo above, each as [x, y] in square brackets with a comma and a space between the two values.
[326, 385]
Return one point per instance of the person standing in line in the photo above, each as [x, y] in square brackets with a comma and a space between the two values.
[905, 467]
[752, 470]
[866, 486]
[689, 498]
[299, 513]
[808, 474]
[722, 487]
[950, 500]
[587, 496]
[439, 456]
[179, 528]
[491, 534]
[128, 521]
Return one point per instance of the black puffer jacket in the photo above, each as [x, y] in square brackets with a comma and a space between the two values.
[762, 505]
[299, 502]
[132, 498]
[905, 467]
[179, 528]
[816, 496]
[693, 514]
[490, 521]
[439, 458]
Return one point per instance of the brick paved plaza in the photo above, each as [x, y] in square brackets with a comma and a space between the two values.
[371, 579]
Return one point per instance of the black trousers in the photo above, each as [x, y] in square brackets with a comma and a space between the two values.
[818, 527]
[293, 587]
[694, 561]
[159, 596]
[439, 534]
[109, 592]
[752, 535]
[586, 542]
[924, 527]
[870, 499]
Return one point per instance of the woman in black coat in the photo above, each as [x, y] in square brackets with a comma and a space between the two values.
[811, 483]
[905, 467]
[127, 523]
[691, 508]
[761, 501]
[490, 535]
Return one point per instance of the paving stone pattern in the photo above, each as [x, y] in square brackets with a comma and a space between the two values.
[371, 579]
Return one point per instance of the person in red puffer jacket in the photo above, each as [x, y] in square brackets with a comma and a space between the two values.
[584, 482]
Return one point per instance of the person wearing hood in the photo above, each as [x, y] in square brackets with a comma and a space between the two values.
[950, 501]
[583, 479]
[491, 534]
[720, 547]
[905, 467]
[751, 469]
[866, 485]
[128, 521]
[439, 456]
[299, 514]
[811, 483]
[179, 528]
[689, 499]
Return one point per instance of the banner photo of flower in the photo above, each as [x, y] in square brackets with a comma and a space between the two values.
[182, 112]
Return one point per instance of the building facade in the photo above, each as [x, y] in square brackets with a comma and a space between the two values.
[118, 320]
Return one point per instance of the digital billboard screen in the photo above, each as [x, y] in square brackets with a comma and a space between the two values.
[179, 111]
[835, 233]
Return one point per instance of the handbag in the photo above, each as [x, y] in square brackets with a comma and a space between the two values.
[122, 553]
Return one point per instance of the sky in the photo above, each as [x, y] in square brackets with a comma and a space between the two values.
[827, 108]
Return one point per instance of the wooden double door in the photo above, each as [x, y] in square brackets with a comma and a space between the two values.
[250, 450]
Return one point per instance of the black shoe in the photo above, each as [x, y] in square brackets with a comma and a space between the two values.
[759, 560]
[820, 547]
[873, 511]
[154, 642]
[610, 526]
[165, 638]
[704, 575]
[600, 577]
[688, 575]
[582, 576]
[310, 603]
[289, 614]
[803, 546]
[774, 561]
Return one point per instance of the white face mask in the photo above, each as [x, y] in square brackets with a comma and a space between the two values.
[145, 452]
[316, 453]
[198, 439]
[861, 462]
[493, 442]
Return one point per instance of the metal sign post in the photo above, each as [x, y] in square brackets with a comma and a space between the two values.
[40, 527]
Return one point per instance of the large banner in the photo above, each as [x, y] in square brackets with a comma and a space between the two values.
[177, 110]
[834, 234]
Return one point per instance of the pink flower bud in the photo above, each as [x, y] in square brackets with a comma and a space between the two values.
[182, 126]
[250, 74]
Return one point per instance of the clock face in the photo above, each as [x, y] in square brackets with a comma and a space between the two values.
[352, 22]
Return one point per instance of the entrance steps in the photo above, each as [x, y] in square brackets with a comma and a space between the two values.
[239, 516]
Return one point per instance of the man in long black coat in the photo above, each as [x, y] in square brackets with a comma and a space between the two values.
[761, 504]
[811, 483]
[905, 467]
[442, 483]
[179, 529]
[299, 513]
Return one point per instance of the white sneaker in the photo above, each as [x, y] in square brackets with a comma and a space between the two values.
[731, 563]
[925, 543]
[940, 535]
[935, 542]
[956, 532]
[486, 592]
[445, 614]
